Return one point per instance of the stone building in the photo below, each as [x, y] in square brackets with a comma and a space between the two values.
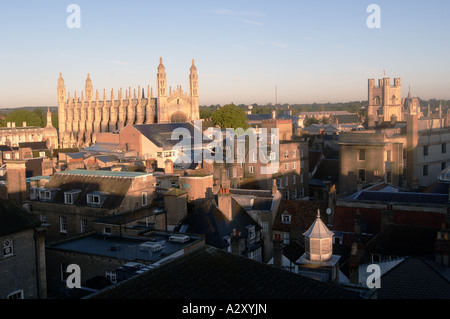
[81, 117]
[13, 135]
[22, 254]
[72, 200]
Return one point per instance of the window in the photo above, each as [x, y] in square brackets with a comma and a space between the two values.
[294, 179]
[84, 225]
[41, 154]
[16, 295]
[405, 153]
[107, 231]
[251, 169]
[286, 218]
[444, 148]
[286, 238]
[265, 227]
[8, 248]
[425, 150]
[302, 164]
[388, 177]
[389, 156]
[443, 165]
[68, 198]
[93, 199]
[278, 182]
[362, 155]
[286, 195]
[111, 275]
[144, 199]
[62, 224]
[362, 175]
[43, 218]
[44, 194]
[294, 165]
[33, 192]
[294, 194]
[294, 153]
[425, 170]
[302, 192]
[7, 156]
[301, 178]
[286, 166]
[286, 154]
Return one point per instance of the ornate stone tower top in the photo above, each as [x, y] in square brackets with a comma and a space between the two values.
[89, 89]
[318, 241]
[193, 67]
[161, 68]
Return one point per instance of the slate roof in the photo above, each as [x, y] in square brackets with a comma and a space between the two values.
[403, 240]
[5, 148]
[258, 117]
[402, 197]
[211, 273]
[34, 145]
[413, 278]
[161, 134]
[116, 184]
[14, 218]
[346, 119]
[209, 221]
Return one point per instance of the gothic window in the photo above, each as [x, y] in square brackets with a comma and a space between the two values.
[377, 100]
[393, 100]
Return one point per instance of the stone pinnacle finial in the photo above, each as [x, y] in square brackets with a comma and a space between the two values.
[318, 213]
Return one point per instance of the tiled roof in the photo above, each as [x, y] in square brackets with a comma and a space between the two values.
[34, 145]
[303, 214]
[211, 273]
[413, 279]
[212, 223]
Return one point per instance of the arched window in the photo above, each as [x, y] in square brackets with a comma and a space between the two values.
[377, 100]
[393, 99]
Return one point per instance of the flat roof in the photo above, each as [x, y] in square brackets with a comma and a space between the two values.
[128, 248]
[104, 173]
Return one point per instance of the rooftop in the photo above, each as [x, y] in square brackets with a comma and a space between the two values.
[128, 248]
[104, 173]
[211, 273]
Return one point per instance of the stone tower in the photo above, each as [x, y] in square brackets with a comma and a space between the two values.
[162, 92]
[61, 91]
[193, 85]
[385, 101]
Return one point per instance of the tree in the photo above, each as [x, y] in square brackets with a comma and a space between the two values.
[311, 121]
[33, 118]
[230, 116]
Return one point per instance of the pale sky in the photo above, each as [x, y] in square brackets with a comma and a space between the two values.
[312, 51]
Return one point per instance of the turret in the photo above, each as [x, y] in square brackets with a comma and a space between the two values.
[61, 91]
[89, 89]
[193, 85]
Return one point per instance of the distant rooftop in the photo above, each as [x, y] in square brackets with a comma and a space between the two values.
[102, 173]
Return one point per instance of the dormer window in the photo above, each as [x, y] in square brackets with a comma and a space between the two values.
[286, 218]
[71, 196]
[93, 199]
[44, 194]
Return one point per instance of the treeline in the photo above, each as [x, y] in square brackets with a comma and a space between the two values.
[32, 117]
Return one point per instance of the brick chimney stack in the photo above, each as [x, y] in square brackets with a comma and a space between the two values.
[278, 251]
[224, 203]
[16, 179]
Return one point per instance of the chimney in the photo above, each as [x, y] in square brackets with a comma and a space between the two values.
[274, 114]
[8, 124]
[16, 179]
[168, 166]
[13, 124]
[236, 247]
[224, 203]
[24, 124]
[278, 251]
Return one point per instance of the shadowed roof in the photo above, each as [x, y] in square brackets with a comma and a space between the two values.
[14, 218]
[211, 273]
